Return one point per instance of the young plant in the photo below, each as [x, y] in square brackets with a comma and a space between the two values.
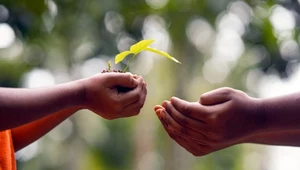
[137, 48]
[109, 66]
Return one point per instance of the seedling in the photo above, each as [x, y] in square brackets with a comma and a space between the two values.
[136, 49]
[109, 66]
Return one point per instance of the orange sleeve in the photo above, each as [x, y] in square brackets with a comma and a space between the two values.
[7, 155]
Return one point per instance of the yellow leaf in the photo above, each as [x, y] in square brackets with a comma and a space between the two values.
[140, 46]
[121, 56]
[163, 54]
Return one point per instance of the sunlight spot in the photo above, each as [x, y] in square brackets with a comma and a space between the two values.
[283, 22]
[4, 13]
[289, 50]
[252, 78]
[157, 4]
[201, 34]
[86, 132]
[153, 28]
[124, 42]
[151, 160]
[231, 22]
[28, 152]
[83, 51]
[242, 10]
[272, 85]
[7, 35]
[14, 52]
[215, 71]
[38, 78]
[229, 46]
[62, 132]
[283, 158]
[282, 19]
[52, 8]
[94, 66]
[113, 22]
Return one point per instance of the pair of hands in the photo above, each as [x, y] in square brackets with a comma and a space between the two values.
[221, 118]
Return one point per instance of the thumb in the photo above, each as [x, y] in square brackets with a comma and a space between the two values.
[217, 96]
[121, 79]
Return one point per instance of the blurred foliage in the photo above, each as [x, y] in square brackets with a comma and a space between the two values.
[63, 36]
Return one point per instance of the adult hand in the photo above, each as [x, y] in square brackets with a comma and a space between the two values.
[222, 118]
[105, 94]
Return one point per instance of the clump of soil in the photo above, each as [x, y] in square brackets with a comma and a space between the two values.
[120, 89]
[108, 71]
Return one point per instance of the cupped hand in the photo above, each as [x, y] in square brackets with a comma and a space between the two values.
[222, 118]
[105, 94]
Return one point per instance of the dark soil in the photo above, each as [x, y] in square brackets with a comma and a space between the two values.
[108, 71]
[120, 89]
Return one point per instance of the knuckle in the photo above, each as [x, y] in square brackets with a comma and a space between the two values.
[202, 97]
[227, 91]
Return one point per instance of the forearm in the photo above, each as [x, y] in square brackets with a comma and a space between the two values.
[21, 106]
[281, 113]
[284, 138]
[28, 133]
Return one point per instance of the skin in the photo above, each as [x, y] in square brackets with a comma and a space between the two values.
[227, 117]
[31, 113]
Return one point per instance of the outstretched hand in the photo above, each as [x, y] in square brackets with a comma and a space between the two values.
[222, 118]
[105, 97]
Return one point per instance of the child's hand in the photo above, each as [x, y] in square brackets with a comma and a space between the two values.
[220, 119]
[105, 97]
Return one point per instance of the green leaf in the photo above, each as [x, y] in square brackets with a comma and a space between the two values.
[140, 46]
[163, 54]
[121, 56]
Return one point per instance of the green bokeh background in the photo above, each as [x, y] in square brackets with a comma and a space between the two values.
[61, 37]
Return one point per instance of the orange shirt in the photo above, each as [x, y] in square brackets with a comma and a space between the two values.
[7, 155]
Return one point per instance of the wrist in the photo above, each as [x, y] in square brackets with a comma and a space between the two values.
[79, 95]
[260, 122]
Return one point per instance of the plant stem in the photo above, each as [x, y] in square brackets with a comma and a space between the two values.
[126, 68]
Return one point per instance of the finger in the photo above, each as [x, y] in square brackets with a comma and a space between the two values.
[172, 125]
[193, 110]
[134, 108]
[157, 107]
[134, 95]
[191, 145]
[216, 96]
[121, 79]
[184, 120]
[181, 141]
[131, 110]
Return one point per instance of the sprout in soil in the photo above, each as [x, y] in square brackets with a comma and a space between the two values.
[137, 48]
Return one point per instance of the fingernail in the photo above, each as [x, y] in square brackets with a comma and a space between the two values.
[174, 98]
[164, 104]
[158, 114]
